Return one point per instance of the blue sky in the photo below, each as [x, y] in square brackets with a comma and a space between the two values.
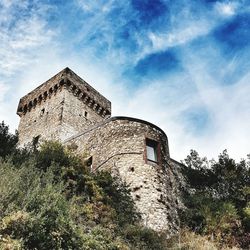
[183, 65]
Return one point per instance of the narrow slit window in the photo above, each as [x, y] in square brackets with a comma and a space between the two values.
[89, 163]
[86, 114]
[42, 112]
[36, 140]
[151, 149]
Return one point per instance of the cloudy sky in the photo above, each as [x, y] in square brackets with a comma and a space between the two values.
[181, 64]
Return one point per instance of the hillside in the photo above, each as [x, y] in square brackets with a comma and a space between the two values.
[50, 200]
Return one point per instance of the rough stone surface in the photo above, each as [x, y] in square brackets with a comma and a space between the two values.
[117, 144]
[61, 107]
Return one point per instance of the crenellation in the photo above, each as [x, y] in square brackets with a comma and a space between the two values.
[100, 109]
[95, 107]
[25, 108]
[86, 98]
[40, 98]
[77, 92]
[81, 95]
[104, 113]
[53, 89]
[90, 102]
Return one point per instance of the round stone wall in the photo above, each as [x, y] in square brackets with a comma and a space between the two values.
[119, 144]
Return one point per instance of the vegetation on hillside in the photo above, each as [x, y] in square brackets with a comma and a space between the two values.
[217, 199]
[50, 200]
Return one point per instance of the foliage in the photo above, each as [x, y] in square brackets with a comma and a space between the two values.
[217, 198]
[144, 238]
[189, 240]
[50, 200]
[8, 141]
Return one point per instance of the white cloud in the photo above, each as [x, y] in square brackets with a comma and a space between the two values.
[183, 26]
[25, 38]
[227, 8]
[180, 36]
[94, 6]
[3, 90]
[227, 106]
[22, 37]
[29, 48]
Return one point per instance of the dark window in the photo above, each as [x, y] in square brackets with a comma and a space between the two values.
[35, 141]
[42, 112]
[86, 114]
[152, 150]
[89, 162]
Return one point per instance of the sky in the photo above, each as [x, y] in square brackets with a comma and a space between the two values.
[182, 65]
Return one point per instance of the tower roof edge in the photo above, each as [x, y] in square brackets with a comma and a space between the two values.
[64, 77]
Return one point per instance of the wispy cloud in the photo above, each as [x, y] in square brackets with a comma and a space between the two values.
[182, 64]
[227, 8]
[24, 37]
[3, 90]
[23, 30]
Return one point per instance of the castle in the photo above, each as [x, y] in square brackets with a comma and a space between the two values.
[68, 109]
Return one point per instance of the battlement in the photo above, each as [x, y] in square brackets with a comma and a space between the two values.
[66, 79]
[60, 107]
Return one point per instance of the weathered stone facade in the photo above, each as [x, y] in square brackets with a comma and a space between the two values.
[125, 146]
[60, 107]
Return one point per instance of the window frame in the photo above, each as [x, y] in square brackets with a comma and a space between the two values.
[156, 146]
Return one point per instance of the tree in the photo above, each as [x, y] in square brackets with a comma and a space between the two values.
[217, 197]
[50, 200]
[8, 141]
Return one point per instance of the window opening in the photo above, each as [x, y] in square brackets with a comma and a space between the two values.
[42, 112]
[40, 98]
[86, 114]
[35, 142]
[151, 150]
[89, 163]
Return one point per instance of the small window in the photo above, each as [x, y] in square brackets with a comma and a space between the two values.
[35, 141]
[151, 149]
[89, 163]
[42, 112]
[86, 114]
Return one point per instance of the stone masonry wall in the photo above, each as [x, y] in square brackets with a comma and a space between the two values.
[61, 107]
[76, 116]
[68, 109]
[44, 119]
[73, 82]
[118, 145]
[57, 117]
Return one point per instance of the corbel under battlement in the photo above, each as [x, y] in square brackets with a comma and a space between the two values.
[73, 83]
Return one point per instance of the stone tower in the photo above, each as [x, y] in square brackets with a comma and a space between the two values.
[68, 109]
[59, 108]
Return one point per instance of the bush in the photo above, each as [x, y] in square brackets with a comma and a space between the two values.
[51, 201]
[216, 198]
[8, 141]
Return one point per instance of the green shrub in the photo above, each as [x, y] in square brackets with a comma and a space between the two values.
[8, 141]
[49, 200]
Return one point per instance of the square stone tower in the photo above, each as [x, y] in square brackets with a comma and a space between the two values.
[59, 108]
